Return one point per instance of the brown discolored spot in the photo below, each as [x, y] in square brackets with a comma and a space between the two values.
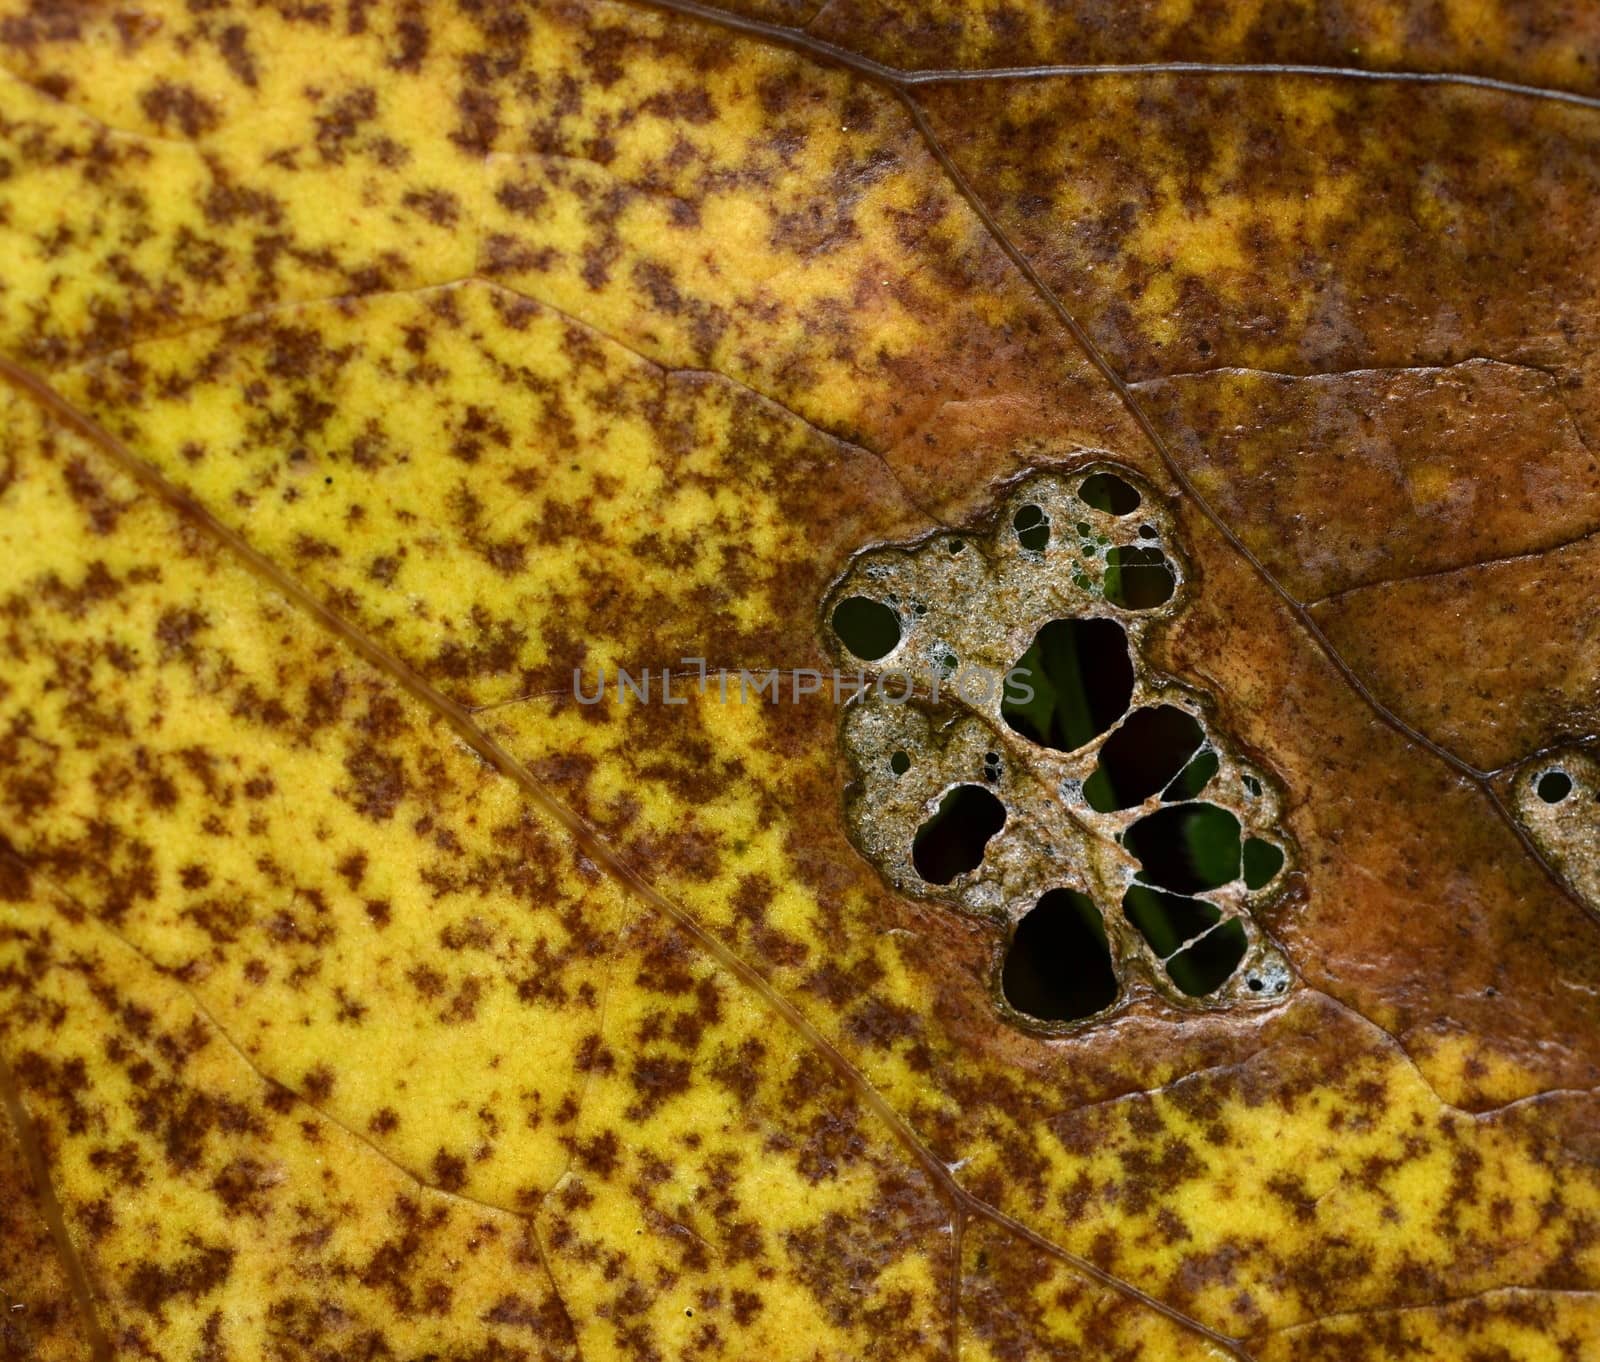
[151, 1286]
[317, 1084]
[172, 104]
[380, 782]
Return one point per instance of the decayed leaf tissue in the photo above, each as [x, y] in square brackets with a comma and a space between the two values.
[799, 681]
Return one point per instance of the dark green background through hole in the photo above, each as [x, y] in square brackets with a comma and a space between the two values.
[1082, 680]
[1058, 965]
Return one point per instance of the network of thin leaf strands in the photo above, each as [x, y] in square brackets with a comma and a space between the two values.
[372, 366]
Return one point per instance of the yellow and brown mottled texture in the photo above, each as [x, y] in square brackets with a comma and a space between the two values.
[361, 993]
[1549, 44]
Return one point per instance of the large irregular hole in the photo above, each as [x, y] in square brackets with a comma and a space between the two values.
[868, 628]
[1193, 778]
[1138, 578]
[1187, 847]
[1107, 492]
[1142, 757]
[1058, 966]
[1081, 678]
[1554, 786]
[1033, 528]
[1166, 921]
[952, 842]
[1262, 860]
[1206, 966]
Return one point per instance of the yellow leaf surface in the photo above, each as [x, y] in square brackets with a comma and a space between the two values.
[373, 368]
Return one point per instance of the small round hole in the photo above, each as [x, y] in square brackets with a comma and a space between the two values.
[900, 763]
[868, 628]
[1554, 786]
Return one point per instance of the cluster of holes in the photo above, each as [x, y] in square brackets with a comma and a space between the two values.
[1081, 673]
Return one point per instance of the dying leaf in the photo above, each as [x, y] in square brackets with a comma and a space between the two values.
[379, 377]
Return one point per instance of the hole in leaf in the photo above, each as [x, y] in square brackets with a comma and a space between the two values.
[1109, 493]
[956, 545]
[1262, 861]
[1138, 578]
[1166, 921]
[868, 628]
[952, 842]
[1187, 847]
[1058, 966]
[1033, 528]
[1193, 778]
[1206, 965]
[900, 763]
[1149, 532]
[1554, 786]
[1252, 787]
[1082, 680]
[1142, 757]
